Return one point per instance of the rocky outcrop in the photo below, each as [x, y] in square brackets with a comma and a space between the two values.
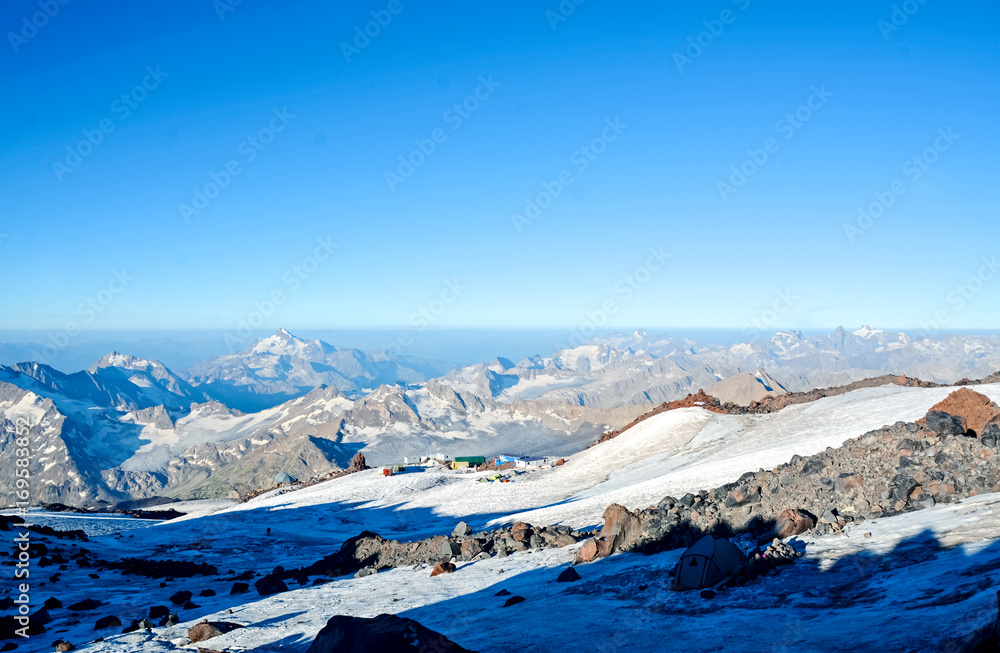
[371, 551]
[888, 471]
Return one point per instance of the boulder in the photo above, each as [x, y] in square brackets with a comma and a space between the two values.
[442, 568]
[358, 463]
[514, 600]
[269, 585]
[239, 588]
[991, 436]
[207, 593]
[158, 611]
[52, 603]
[462, 530]
[944, 424]
[975, 408]
[450, 549]
[65, 646]
[86, 604]
[180, 597]
[107, 622]
[568, 575]
[470, 549]
[209, 629]
[386, 633]
[793, 521]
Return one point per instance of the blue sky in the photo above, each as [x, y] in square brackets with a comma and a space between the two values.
[309, 234]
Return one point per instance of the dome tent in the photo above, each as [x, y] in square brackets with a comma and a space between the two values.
[284, 477]
[707, 562]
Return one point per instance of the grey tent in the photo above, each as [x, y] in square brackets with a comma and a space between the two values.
[284, 477]
[707, 562]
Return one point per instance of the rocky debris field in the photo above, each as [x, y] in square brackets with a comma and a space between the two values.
[888, 471]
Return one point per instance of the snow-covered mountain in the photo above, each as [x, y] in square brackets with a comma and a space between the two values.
[283, 366]
[639, 368]
[116, 381]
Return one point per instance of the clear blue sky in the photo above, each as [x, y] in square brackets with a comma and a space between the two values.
[544, 93]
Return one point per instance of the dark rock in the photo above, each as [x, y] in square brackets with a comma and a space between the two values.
[107, 622]
[52, 603]
[84, 605]
[502, 593]
[991, 436]
[158, 611]
[707, 594]
[945, 424]
[514, 600]
[239, 588]
[568, 575]
[270, 585]
[180, 597]
[385, 633]
[207, 593]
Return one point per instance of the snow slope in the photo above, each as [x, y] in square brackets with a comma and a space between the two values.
[930, 574]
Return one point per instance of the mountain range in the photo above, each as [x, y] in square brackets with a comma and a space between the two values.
[129, 428]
